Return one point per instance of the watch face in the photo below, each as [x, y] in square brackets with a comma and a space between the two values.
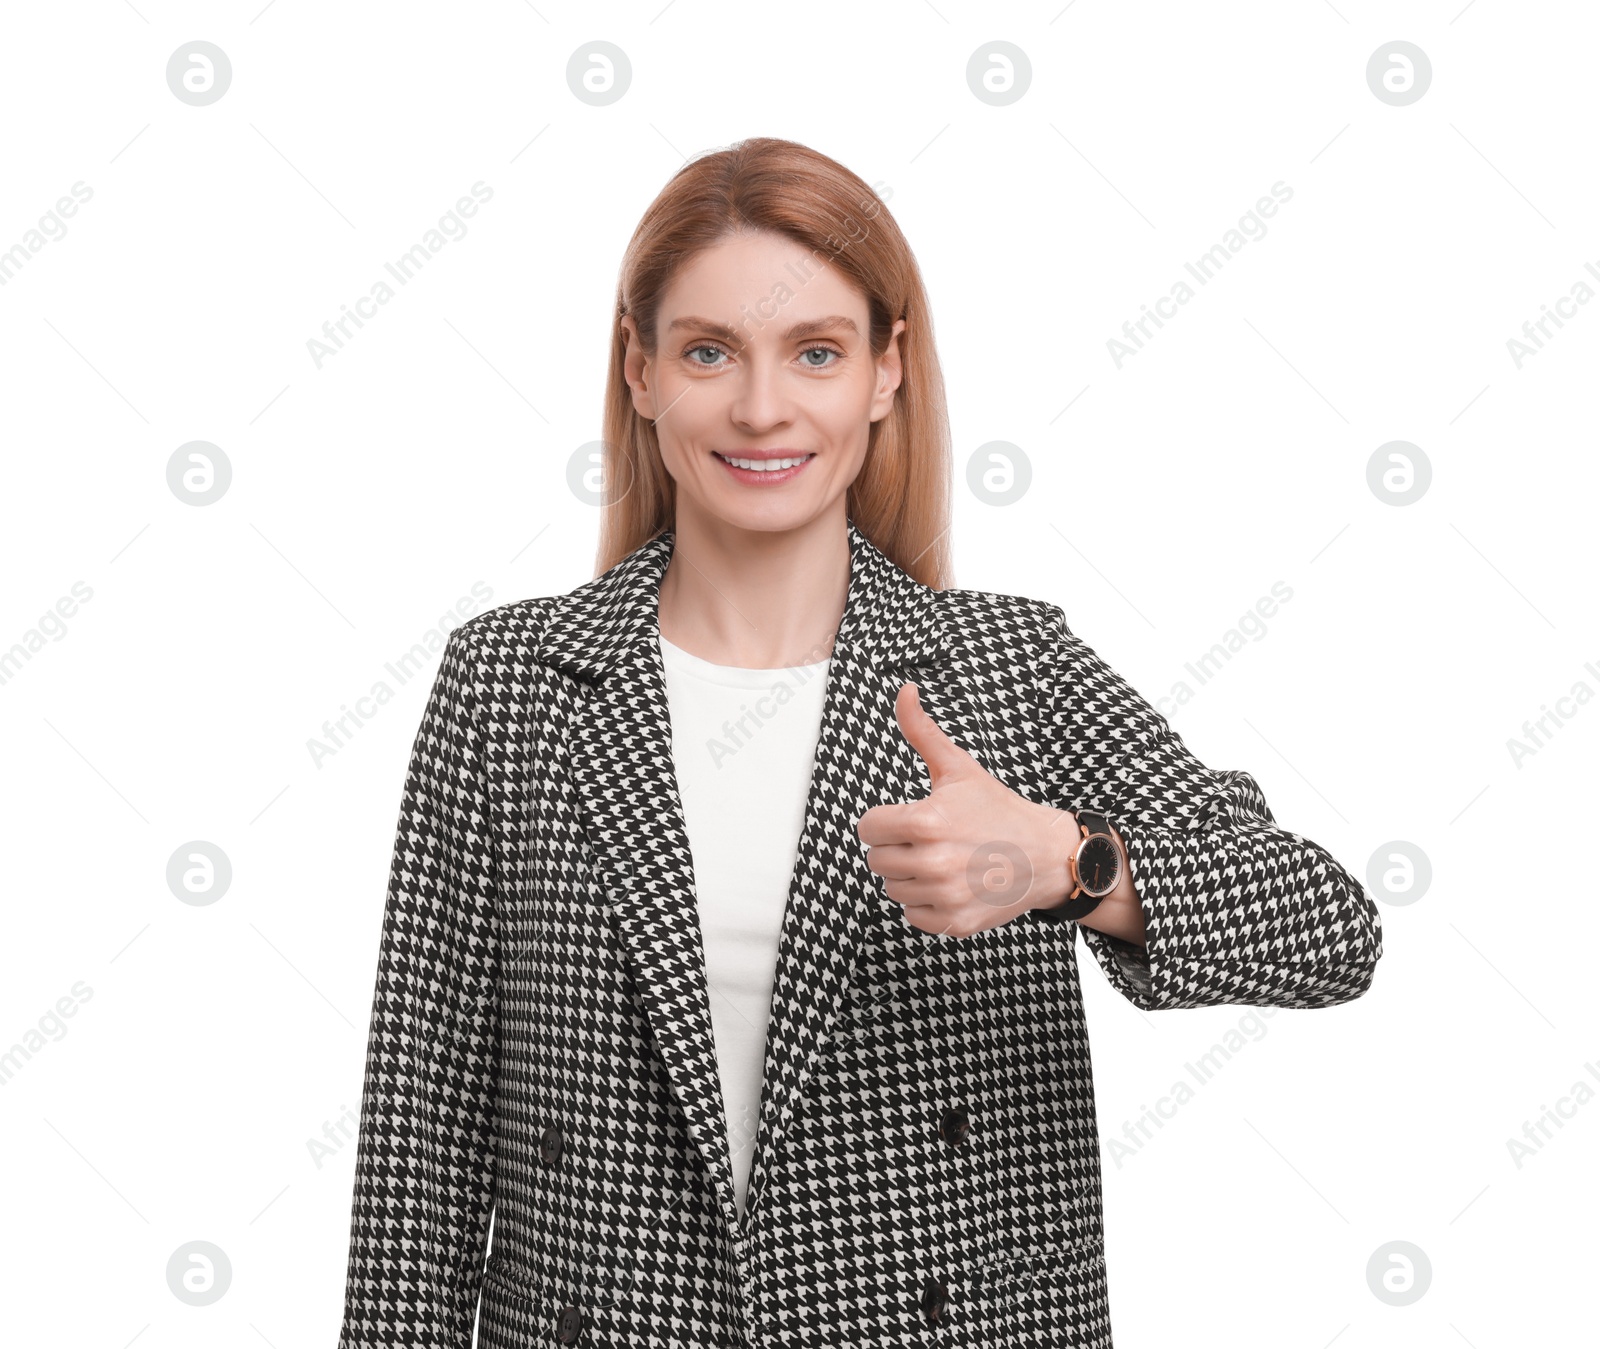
[1099, 865]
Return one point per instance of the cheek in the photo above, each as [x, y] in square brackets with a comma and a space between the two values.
[692, 417]
[842, 411]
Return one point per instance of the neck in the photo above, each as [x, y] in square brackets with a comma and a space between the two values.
[761, 599]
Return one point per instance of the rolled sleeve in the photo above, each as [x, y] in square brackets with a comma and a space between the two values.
[1236, 909]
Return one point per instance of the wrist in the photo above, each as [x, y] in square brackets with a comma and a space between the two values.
[1054, 879]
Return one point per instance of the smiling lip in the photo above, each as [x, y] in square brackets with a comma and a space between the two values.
[762, 477]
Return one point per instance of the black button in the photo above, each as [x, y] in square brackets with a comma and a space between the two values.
[569, 1326]
[550, 1146]
[953, 1128]
[935, 1300]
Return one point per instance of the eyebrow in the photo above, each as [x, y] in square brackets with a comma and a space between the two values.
[800, 331]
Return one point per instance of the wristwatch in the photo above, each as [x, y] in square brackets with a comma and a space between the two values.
[1096, 867]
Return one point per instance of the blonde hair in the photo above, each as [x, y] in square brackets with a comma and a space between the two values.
[901, 498]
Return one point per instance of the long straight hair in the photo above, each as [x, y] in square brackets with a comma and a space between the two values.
[901, 498]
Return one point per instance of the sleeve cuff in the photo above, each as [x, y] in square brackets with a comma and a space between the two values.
[1309, 944]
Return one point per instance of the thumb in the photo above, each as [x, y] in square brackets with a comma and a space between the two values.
[944, 758]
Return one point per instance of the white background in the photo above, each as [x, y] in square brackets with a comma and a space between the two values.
[178, 702]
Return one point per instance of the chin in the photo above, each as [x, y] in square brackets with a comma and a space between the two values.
[775, 518]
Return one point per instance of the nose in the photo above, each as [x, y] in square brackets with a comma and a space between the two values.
[760, 402]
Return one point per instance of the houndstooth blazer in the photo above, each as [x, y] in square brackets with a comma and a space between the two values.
[927, 1165]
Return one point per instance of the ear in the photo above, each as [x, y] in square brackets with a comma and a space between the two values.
[637, 370]
[890, 373]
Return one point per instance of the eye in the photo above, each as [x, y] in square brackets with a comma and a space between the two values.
[820, 365]
[825, 349]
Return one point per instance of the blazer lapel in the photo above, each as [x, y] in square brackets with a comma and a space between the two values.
[620, 746]
[888, 635]
[605, 632]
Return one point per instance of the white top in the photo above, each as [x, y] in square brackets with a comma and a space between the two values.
[743, 742]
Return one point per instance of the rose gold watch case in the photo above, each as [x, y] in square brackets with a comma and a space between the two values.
[1116, 876]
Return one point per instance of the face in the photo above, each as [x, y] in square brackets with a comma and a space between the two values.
[756, 364]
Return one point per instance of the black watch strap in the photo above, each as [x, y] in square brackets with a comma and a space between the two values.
[1094, 821]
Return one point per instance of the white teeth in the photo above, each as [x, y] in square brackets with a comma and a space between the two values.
[764, 465]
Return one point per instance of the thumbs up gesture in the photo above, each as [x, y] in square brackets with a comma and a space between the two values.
[973, 854]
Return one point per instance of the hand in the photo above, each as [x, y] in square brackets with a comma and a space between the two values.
[973, 854]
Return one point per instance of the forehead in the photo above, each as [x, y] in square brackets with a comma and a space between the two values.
[764, 276]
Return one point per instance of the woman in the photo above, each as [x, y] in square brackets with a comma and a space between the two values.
[728, 956]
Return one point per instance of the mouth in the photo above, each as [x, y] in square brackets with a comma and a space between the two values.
[764, 469]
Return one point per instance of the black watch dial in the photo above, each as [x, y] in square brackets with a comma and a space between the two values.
[1099, 865]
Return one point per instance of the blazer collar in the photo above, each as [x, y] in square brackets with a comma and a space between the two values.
[889, 618]
[619, 746]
